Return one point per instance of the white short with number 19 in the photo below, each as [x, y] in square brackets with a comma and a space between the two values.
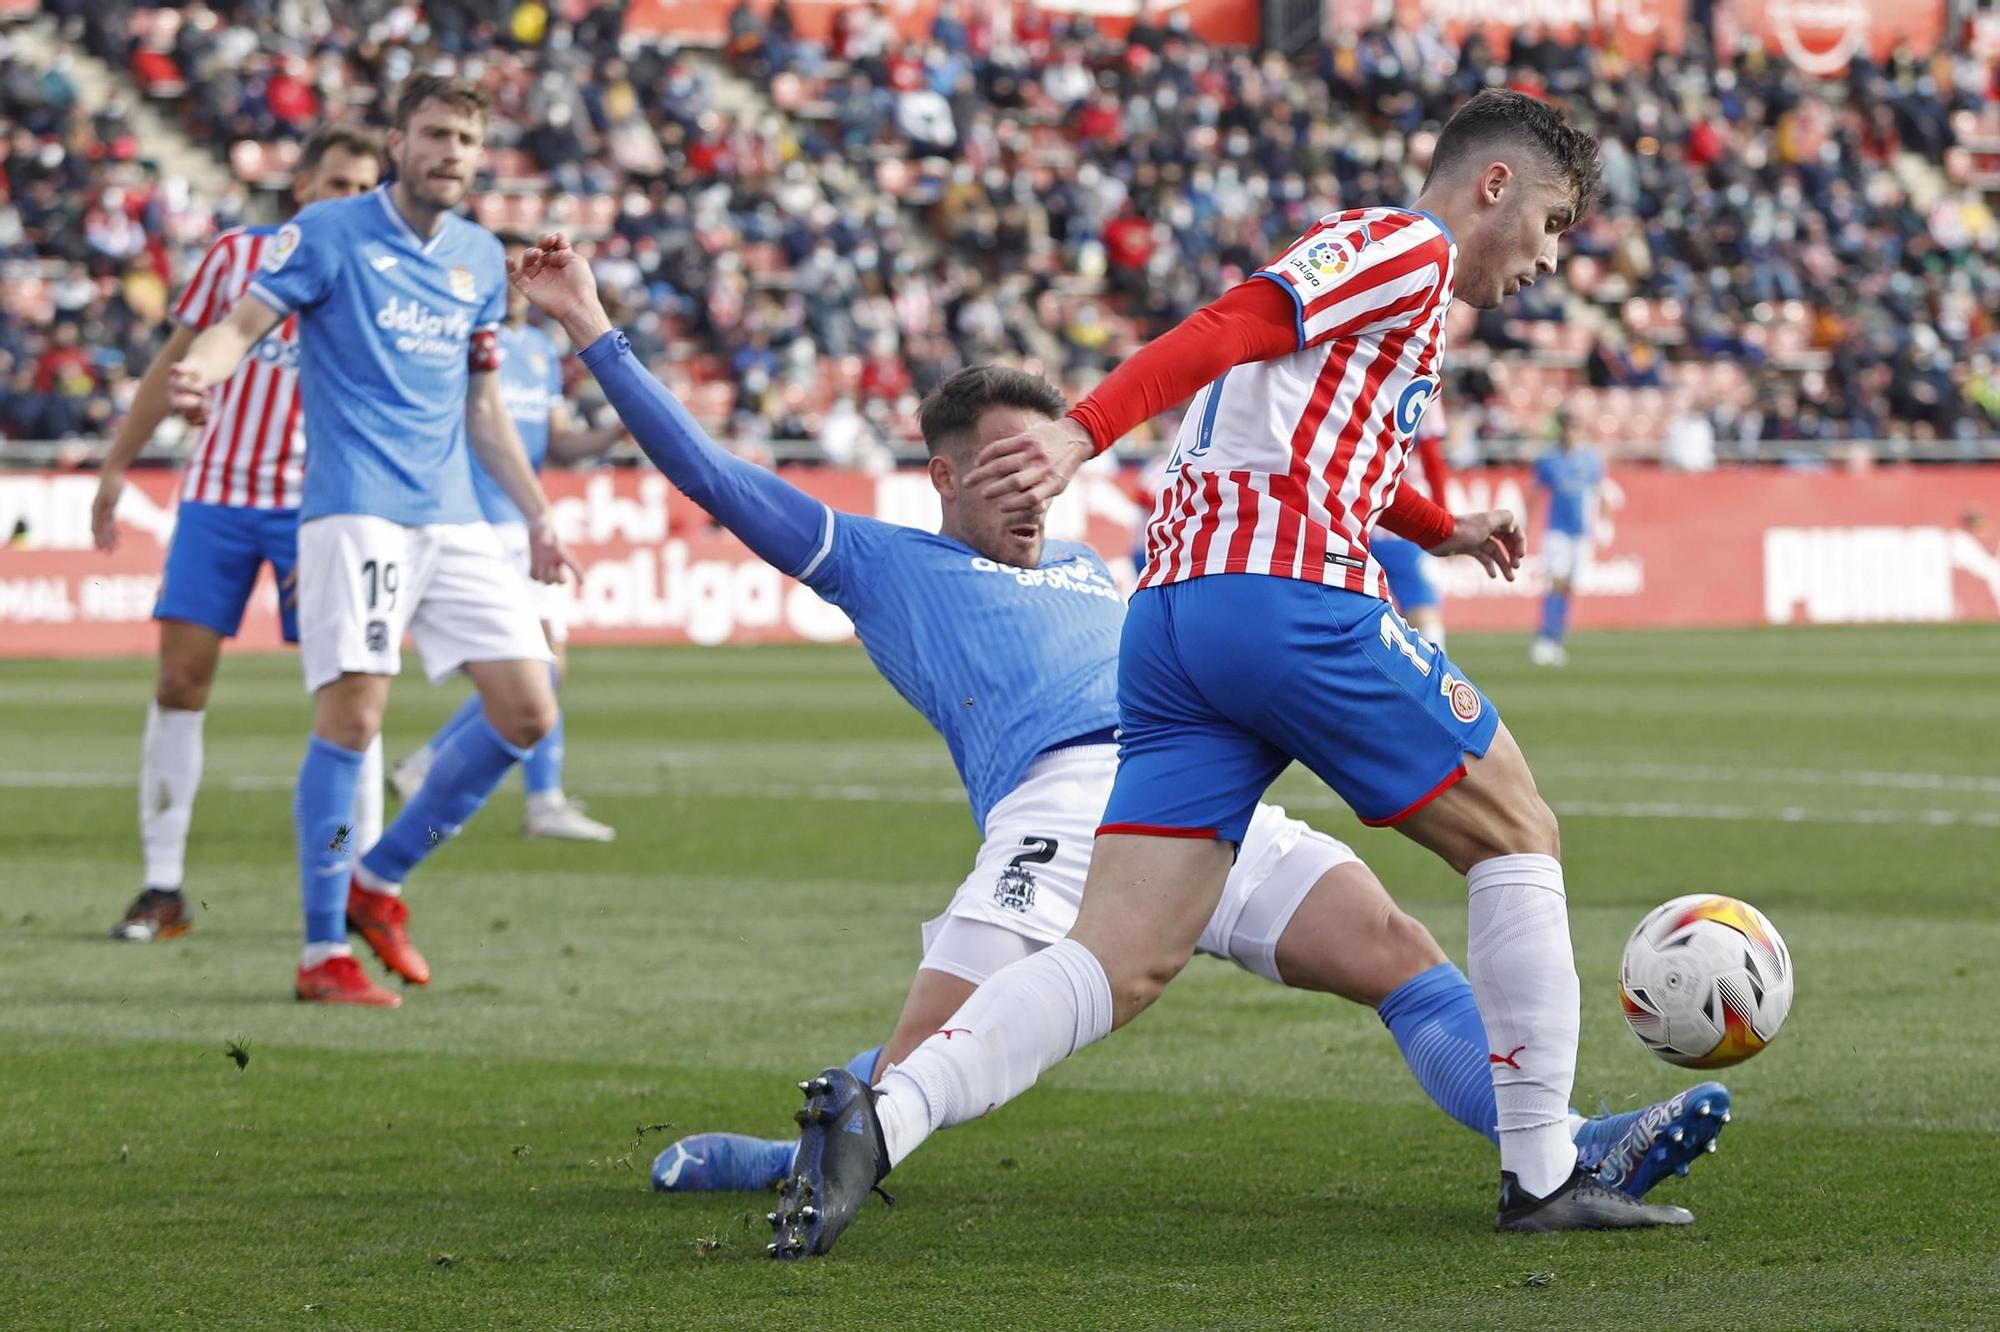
[1028, 878]
[364, 582]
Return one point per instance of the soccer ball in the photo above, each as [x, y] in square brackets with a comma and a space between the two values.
[1706, 981]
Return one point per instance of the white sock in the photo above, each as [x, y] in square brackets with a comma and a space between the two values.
[315, 954]
[169, 775]
[368, 799]
[375, 883]
[543, 800]
[1524, 976]
[1028, 1015]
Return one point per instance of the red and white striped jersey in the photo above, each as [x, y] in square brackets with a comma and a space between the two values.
[1282, 466]
[252, 449]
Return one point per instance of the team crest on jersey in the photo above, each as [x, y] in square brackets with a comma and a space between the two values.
[540, 362]
[282, 247]
[1465, 701]
[462, 285]
[1016, 888]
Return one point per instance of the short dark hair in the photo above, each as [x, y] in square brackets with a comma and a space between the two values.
[423, 86]
[1494, 117]
[357, 140]
[953, 409]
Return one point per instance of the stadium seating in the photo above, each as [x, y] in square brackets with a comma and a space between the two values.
[1060, 199]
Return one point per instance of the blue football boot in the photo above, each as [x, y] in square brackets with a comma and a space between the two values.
[721, 1162]
[1634, 1151]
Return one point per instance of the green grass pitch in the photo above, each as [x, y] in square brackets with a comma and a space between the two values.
[1243, 1157]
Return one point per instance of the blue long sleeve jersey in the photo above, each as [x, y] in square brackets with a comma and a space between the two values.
[1006, 663]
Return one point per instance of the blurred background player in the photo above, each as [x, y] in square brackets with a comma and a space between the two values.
[399, 302]
[988, 611]
[1566, 480]
[1410, 568]
[239, 510]
[532, 383]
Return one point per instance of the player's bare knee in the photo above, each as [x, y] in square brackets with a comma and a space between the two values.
[182, 687]
[523, 722]
[1407, 946]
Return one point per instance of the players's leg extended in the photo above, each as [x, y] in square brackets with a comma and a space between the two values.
[170, 761]
[1347, 937]
[549, 812]
[210, 569]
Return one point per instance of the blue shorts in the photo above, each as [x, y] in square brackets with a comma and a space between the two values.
[213, 562]
[1226, 679]
[1409, 572]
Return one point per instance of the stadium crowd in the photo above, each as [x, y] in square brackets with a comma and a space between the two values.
[1778, 262]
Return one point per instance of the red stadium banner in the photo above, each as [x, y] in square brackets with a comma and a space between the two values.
[1754, 546]
[1224, 22]
[1822, 36]
[1639, 27]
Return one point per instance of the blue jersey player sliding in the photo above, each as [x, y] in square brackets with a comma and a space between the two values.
[399, 302]
[1007, 643]
[531, 381]
[1258, 637]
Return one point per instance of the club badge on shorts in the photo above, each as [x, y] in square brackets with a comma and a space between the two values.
[1465, 701]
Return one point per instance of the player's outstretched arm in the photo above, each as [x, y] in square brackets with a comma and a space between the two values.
[215, 354]
[150, 406]
[1253, 321]
[782, 524]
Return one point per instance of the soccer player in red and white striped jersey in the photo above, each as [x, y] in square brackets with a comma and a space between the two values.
[1258, 638]
[239, 501]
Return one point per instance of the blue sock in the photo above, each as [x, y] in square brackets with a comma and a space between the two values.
[1555, 616]
[323, 815]
[542, 770]
[464, 773]
[863, 1065]
[472, 707]
[1436, 1024]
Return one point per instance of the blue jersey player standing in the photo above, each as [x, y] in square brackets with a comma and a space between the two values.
[1258, 637]
[1007, 643]
[1567, 479]
[239, 510]
[531, 381]
[399, 302]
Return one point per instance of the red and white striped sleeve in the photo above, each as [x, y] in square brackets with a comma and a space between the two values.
[205, 299]
[1354, 274]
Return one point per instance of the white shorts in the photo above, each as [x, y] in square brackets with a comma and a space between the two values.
[1028, 877]
[548, 600]
[1565, 557]
[364, 581]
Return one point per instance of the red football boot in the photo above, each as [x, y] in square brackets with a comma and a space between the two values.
[379, 918]
[340, 980]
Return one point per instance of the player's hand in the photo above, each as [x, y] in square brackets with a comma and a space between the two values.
[548, 559]
[558, 281]
[187, 392]
[1023, 472]
[288, 589]
[1494, 539]
[104, 509]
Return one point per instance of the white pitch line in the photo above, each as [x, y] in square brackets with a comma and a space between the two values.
[1896, 781]
[860, 793]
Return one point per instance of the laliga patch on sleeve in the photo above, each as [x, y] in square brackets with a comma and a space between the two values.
[1317, 266]
[282, 247]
